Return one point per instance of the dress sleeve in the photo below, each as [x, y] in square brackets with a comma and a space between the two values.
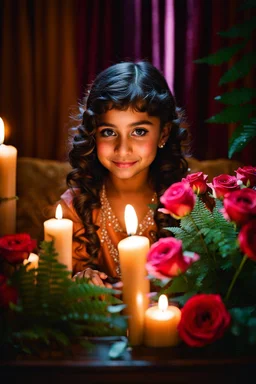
[80, 258]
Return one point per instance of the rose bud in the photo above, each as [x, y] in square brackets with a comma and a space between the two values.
[178, 200]
[247, 239]
[204, 319]
[165, 258]
[223, 184]
[8, 294]
[247, 175]
[198, 182]
[240, 206]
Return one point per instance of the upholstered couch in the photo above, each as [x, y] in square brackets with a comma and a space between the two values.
[41, 182]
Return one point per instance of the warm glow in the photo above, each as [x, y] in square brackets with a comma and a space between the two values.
[163, 303]
[58, 213]
[131, 220]
[1, 131]
[33, 260]
[139, 298]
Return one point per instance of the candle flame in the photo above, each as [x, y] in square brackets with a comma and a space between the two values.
[59, 213]
[1, 131]
[163, 303]
[131, 220]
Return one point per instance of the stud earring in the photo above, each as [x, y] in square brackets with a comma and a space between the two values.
[161, 145]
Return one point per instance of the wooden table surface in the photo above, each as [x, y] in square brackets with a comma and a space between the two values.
[139, 365]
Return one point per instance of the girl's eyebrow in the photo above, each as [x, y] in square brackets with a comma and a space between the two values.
[140, 122]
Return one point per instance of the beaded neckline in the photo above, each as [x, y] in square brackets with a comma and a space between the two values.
[108, 219]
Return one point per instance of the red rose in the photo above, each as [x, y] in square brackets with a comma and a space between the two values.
[223, 184]
[204, 319]
[198, 182]
[240, 206]
[178, 200]
[16, 248]
[8, 294]
[165, 258]
[247, 239]
[247, 175]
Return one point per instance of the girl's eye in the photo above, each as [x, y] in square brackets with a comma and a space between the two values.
[107, 132]
[140, 132]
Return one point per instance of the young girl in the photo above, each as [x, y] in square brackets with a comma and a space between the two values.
[127, 150]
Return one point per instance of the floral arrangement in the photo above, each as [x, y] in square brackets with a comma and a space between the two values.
[209, 266]
[43, 309]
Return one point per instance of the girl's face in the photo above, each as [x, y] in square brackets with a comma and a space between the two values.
[127, 142]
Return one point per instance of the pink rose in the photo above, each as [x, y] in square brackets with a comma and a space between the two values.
[240, 206]
[16, 248]
[247, 239]
[204, 319]
[165, 258]
[247, 175]
[198, 182]
[178, 200]
[8, 294]
[223, 184]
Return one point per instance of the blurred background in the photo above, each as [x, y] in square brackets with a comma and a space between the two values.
[51, 50]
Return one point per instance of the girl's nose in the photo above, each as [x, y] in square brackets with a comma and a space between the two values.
[123, 146]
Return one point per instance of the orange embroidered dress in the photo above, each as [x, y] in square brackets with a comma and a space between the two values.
[109, 232]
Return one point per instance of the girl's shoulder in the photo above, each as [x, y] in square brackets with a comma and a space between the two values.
[69, 195]
[67, 198]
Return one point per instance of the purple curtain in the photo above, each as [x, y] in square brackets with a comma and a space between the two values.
[61, 45]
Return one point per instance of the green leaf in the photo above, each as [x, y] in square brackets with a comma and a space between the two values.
[239, 69]
[248, 4]
[221, 56]
[116, 308]
[117, 349]
[241, 137]
[237, 96]
[178, 284]
[240, 30]
[232, 114]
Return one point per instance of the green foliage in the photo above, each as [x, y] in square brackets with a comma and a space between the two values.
[54, 309]
[237, 96]
[214, 239]
[244, 323]
[241, 137]
[240, 101]
[208, 234]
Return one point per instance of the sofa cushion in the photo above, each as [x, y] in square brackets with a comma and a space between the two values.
[41, 182]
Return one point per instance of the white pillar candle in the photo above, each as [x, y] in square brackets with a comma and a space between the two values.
[8, 164]
[132, 255]
[161, 322]
[61, 231]
[33, 259]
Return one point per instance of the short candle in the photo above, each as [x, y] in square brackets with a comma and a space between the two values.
[161, 322]
[33, 259]
[61, 232]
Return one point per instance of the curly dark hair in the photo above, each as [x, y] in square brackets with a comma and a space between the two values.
[143, 88]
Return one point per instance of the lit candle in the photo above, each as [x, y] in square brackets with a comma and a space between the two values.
[8, 164]
[33, 259]
[161, 322]
[61, 231]
[132, 255]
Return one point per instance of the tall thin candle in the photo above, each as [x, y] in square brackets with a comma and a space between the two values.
[8, 164]
[132, 254]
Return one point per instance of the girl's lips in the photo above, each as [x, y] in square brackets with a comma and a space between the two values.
[124, 164]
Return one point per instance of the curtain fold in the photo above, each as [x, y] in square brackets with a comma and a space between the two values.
[38, 75]
[51, 51]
